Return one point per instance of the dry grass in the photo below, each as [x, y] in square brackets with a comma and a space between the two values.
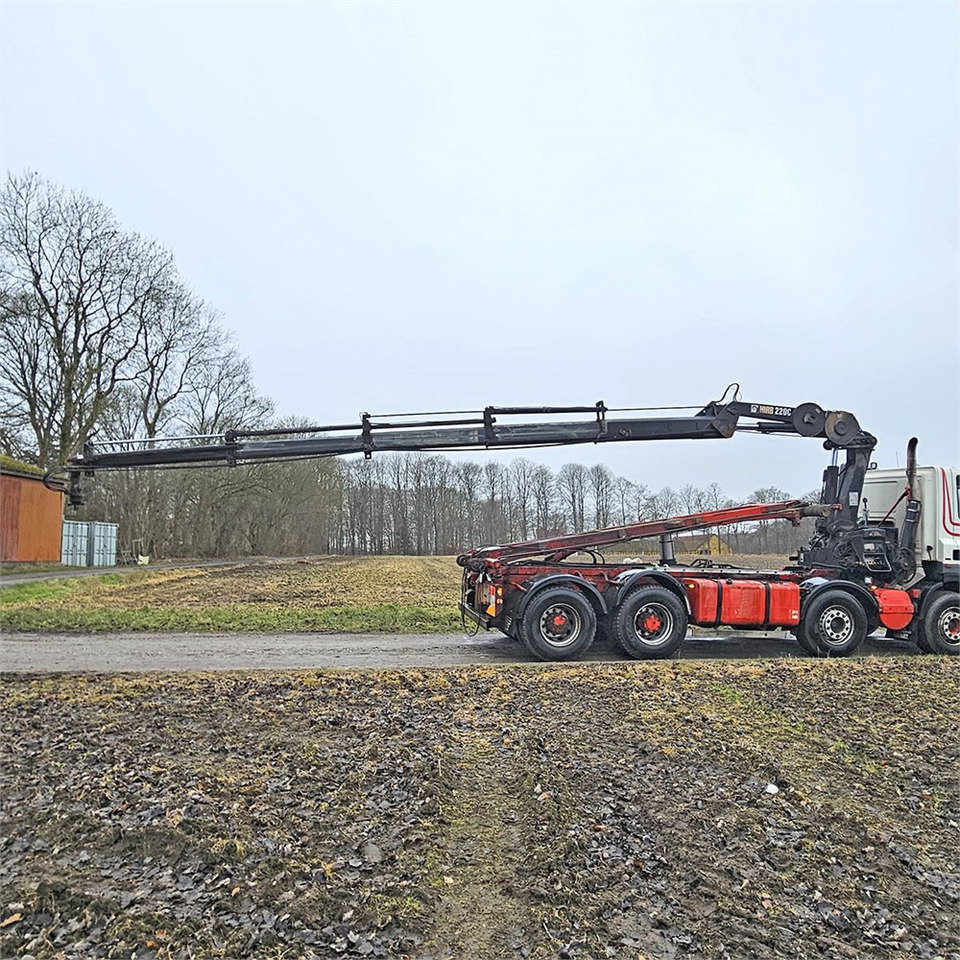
[313, 582]
[409, 594]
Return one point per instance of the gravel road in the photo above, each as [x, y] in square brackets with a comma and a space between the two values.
[125, 652]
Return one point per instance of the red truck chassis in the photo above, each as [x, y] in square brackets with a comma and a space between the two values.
[535, 593]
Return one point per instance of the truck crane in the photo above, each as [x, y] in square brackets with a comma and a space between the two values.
[885, 551]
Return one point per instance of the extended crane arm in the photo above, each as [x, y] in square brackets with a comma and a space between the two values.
[459, 431]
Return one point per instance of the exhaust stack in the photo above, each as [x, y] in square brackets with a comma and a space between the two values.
[911, 465]
[906, 562]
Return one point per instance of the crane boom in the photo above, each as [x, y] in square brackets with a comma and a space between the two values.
[491, 428]
[840, 540]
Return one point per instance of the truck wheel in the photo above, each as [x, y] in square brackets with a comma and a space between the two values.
[650, 624]
[941, 624]
[805, 642]
[558, 624]
[833, 625]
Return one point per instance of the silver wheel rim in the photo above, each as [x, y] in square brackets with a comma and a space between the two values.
[836, 626]
[948, 626]
[560, 625]
[653, 624]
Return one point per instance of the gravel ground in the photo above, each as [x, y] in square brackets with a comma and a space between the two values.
[84, 653]
[704, 808]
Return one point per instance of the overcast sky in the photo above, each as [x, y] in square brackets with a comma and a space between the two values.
[440, 205]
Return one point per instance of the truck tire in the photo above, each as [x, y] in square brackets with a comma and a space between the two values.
[558, 624]
[805, 642]
[650, 624]
[941, 624]
[833, 625]
[602, 637]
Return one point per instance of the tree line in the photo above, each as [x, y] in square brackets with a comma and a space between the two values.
[399, 503]
[101, 337]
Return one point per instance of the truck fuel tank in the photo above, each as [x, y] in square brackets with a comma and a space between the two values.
[742, 603]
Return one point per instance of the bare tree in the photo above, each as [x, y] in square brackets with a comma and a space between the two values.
[641, 501]
[179, 338]
[468, 520]
[572, 488]
[602, 482]
[692, 498]
[764, 527]
[181, 346]
[544, 497]
[76, 295]
[496, 488]
[663, 504]
[219, 393]
[624, 494]
[201, 386]
[714, 499]
[521, 477]
[400, 480]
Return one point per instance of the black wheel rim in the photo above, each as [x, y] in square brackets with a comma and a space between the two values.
[653, 624]
[560, 625]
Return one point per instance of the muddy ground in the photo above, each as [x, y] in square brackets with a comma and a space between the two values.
[777, 808]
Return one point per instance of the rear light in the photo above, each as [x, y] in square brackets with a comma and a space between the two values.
[491, 598]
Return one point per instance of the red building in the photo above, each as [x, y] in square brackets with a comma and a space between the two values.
[31, 516]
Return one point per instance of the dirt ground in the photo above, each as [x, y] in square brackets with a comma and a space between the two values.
[709, 808]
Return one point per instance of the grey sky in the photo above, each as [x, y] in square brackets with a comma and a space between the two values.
[433, 206]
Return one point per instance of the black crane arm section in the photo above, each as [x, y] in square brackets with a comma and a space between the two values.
[490, 428]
